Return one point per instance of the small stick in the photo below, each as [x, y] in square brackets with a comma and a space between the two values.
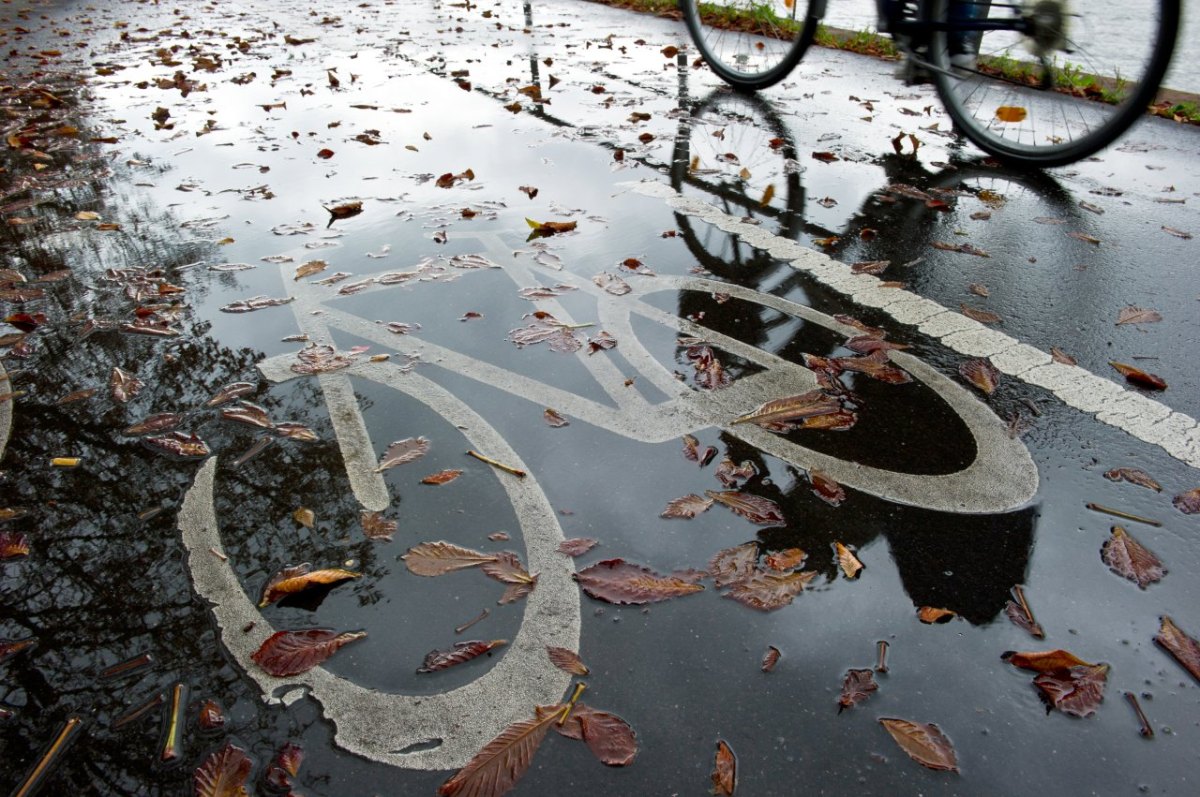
[1125, 515]
[881, 665]
[499, 465]
[259, 446]
[571, 703]
[1036, 628]
[470, 623]
[172, 741]
[1146, 730]
[137, 713]
[218, 554]
[38, 773]
[129, 665]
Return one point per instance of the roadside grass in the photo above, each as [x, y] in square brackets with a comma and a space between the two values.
[1069, 78]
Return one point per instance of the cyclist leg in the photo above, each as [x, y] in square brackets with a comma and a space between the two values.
[964, 45]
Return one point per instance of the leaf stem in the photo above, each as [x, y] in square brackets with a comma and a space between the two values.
[881, 665]
[470, 623]
[1125, 515]
[1146, 730]
[172, 740]
[126, 666]
[38, 773]
[1035, 628]
[498, 465]
[566, 712]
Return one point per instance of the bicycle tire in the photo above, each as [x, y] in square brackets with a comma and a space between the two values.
[759, 54]
[1092, 57]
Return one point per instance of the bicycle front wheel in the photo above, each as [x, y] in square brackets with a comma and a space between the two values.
[750, 44]
[1064, 81]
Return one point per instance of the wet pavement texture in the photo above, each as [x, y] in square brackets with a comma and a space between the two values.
[167, 173]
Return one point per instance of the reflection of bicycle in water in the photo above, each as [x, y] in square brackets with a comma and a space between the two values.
[1003, 71]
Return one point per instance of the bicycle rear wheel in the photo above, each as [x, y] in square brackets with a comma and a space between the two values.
[1062, 90]
[750, 44]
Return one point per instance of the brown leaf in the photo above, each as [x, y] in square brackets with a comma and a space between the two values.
[500, 764]
[857, 686]
[287, 653]
[528, 190]
[550, 227]
[1188, 502]
[770, 591]
[13, 545]
[442, 476]
[402, 452]
[76, 395]
[249, 414]
[782, 410]
[825, 488]
[462, 652]
[1137, 315]
[554, 419]
[686, 507]
[291, 580]
[787, 559]
[1133, 476]
[849, 563]
[732, 565]
[256, 303]
[223, 774]
[925, 744]
[1129, 558]
[692, 452]
[162, 422]
[1082, 236]
[1022, 620]
[8, 649]
[439, 558]
[610, 738]
[982, 316]
[770, 658]
[874, 365]
[710, 373]
[577, 546]
[506, 568]
[285, 766]
[729, 474]
[567, 660]
[1077, 691]
[758, 510]
[296, 431]
[188, 446]
[230, 392]
[1139, 377]
[966, 249]
[601, 341]
[1184, 234]
[868, 344]
[611, 283]
[931, 614]
[377, 526]
[1060, 356]
[309, 268]
[621, 582]
[1182, 647]
[980, 373]
[724, 774]
[449, 179]
[211, 717]
[305, 517]
[1044, 661]
[124, 386]
[514, 592]
[320, 360]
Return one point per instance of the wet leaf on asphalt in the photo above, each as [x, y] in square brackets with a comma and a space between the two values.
[769, 591]
[309, 268]
[849, 563]
[758, 510]
[284, 767]
[787, 559]
[692, 451]
[161, 422]
[550, 227]
[982, 316]
[401, 452]
[567, 660]
[376, 526]
[1188, 502]
[345, 210]
[686, 507]
[1044, 661]
[620, 582]
[287, 653]
[554, 419]
[790, 408]
[442, 476]
[497, 767]
[825, 488]
[1129, 558]
[13, 545]
[10, 648]
[296, 431]
[439, 558]
[730, 565]
[506, 568]
[124, 386]
[932, 614]
[514, 592]
[546, 328]
[180, 444]
[1077, 691]
[729, 474]
[1137, 315]
[611, 283]
[1133, 476]
[223, 773]
[256, 303]
[77, 395]
[857, 686]
[1182, 647]
[249, 414]
[980, 373]
[610, 738]
[461, 653]
[1139, 377]
[305, 517]
[923, 743]
[295, 579]
[1060, 356]
[210, 717]
[710, 374]
[770, 658]
[724, 774]
[315, 359]
[230, 392]
[577, 546]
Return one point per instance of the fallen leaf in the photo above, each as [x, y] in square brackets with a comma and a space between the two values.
[249, 414]
[554, 419]
[790, 408]
[291, 580]
[256, 303]
[1060, 356]
[601, 341]
[758, 510]
[124, 386]
[1129, 558]
[1133, 476]
[462, 652]
[514, 592]
[13, 545]
[1187, 236]
[180, 444]
[982, 316]
[223, 773]
[980, 373]
[296, 431]
[285, 767]
[402, 452]
[210, 717]
[825, 488]
[686, 507]
[1011, 113]
[230, 392]
[787, 559]
[1137, 315]
[161, 422]
[577, 546]
[964, 248]
[931, 614]
[611, 283]
[770, 658]
[376, 526]
[309, 268]
[849, 563]
[1189, 502]
[610, 738]
[857, 686]
[287, 653]
[1044, 661]
[305, 517]
[729, 474]
[439, 558]
[1182, 647]
[724, 774]
[1139, 377]
[550, 227]
[769, 591]
[325, 153]
[442, 476]
[923, 743]
[1082, 236]
[732, 565]
[1077, 691]
[506, 568]
[500, 764]
[620, 582]
[567, 660]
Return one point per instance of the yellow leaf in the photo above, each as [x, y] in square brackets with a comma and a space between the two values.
[305, 517]
[65, 462]
[224, 241]
[87, 215]
[768, 195]
[851, 566]
[744, 173]
[1011, 113]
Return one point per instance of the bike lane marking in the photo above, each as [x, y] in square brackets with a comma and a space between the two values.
[1146, 419]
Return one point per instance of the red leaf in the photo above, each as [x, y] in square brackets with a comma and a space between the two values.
[230, 392]
[609, 737]
[982, 316]
[402, 452]
[1188, 503]
[567, 660]
[247, 413]
[724, 774]
[788, 559]
[514, 592]
[287, 653]
[730, 474]
[783, 410]
[211, 717]
[1139, 377]
[554, 419]
[856, 687]
[461, 652]
[733, 564]
[826, 488]
[758, 510]
[770, 591]
[770, 658]
[980, 373]
[577, 546]
[13, 545]
[691, 451]
[442, 477]
[500, 764]
[1077, 691]
[1133, 476]
[162, 422]
[181, 445]
[506, 568]
[925, 744]
[1185, 649]
[1045, 661]
[621, 582]
[223, 774]
[376, 526]
[285, 766]
[1129, 558]
[686, 507]
[709, 372]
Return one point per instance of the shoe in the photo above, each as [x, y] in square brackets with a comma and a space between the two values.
[912, 73]
[967, 61]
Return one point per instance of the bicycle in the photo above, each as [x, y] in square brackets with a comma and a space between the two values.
[1037, 82]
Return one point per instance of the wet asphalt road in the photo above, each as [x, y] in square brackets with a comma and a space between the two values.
[952, 496]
